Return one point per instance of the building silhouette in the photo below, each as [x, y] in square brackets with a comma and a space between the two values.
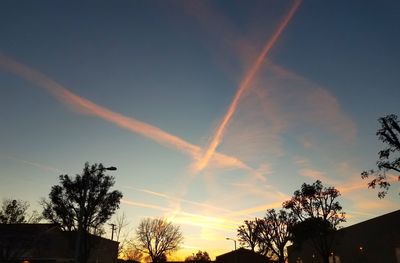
[371, 241]
[47, 243]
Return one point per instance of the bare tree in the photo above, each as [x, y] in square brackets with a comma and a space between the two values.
[274, 232]
[389, 158]
[122, 233]
[248, 234]
[157, 238]
[130, 252]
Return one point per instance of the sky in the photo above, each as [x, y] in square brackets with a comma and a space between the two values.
[212, 111]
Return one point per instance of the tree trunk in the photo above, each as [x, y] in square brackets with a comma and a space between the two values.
[281, 256]
[325, 257]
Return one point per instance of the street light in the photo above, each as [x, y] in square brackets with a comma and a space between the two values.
[111, 168]
[234, 240]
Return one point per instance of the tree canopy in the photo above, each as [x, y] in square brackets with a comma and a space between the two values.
[388, 158]
[84, 202]
[316, 203]
[248, 234]
[157, 237]
[199, 257]
[15, 211]
[269, 235]
[275, 231]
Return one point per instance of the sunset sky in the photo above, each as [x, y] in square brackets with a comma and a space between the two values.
[212, 111]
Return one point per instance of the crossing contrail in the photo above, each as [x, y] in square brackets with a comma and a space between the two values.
[245, 84]
[86, 106]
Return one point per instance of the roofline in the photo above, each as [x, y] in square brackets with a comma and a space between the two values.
[371, 219]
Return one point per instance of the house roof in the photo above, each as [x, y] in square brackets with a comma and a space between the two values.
[242, 254]
[383, 220]
[27, 229]
[49, 241]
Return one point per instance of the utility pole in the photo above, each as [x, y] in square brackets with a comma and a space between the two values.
[113, 228]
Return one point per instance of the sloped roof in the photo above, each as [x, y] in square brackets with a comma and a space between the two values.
[242, 255]
[389, 219]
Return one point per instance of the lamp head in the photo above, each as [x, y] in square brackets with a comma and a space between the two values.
[111, 168]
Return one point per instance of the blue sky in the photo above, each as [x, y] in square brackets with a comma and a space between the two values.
[172, 68]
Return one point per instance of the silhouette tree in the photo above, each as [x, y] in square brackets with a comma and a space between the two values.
[130, 252]
[274, 233]
[316, 202]
[83, 203]
[389, 157]
[16, 212]
[160, 258]
[199, 257]
[248, 234]
[157, 238]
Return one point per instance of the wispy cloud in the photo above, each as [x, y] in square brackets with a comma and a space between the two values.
[86, 106]
[301, 161]
[193, 219]
[279, 101]
[244, 85]
[309, 103]
[314, 174]
[210, 222]
[257, 209]
[178, 199]
[144, 205]
[40, 166]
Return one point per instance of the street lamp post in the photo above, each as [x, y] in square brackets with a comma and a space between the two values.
[234, 241]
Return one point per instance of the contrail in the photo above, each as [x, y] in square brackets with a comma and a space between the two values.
[168, 197]
[88, 107]
[41, 166]
[245, 84]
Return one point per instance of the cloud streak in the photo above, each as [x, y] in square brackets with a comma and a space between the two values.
[193, 219]
[41, 166]
[86, 106]
[176, 199]
[245, 84]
